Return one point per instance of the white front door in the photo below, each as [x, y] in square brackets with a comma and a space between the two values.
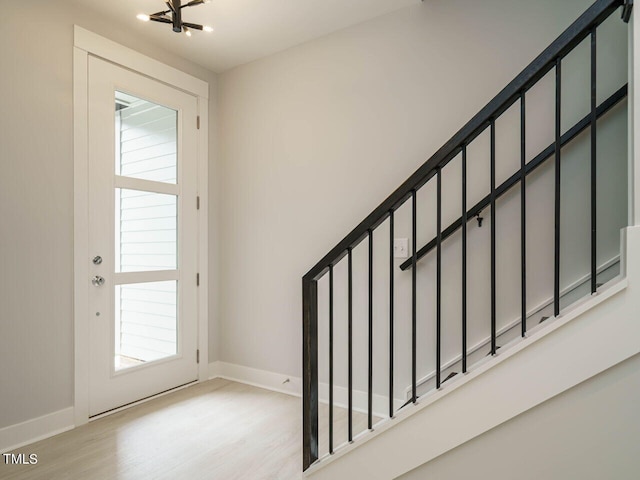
[142, 236]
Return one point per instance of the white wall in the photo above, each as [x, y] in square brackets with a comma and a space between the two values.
[36, 199]
[573, 435]
[313, 138]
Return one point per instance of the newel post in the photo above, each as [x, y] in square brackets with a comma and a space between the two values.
[309, 371]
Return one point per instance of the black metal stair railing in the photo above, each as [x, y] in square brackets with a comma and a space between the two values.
[551, 59]
[530, 166]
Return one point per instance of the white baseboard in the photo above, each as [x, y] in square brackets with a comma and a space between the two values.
[16, 436]
[276, 382]
[290, 385]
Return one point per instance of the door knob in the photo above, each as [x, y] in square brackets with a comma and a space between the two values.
[97, 281]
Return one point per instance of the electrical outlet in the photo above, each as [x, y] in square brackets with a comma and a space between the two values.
[401, 248]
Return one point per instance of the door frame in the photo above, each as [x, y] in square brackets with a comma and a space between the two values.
[88, 43]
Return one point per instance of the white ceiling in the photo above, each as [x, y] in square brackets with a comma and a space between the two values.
[245, 30]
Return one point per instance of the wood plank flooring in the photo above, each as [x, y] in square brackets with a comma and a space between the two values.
[218, 430]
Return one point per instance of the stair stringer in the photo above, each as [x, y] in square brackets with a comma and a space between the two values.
[587, 339]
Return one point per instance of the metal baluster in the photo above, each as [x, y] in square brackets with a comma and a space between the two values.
[556, 273]
[523, 213]
[370, 393]
[438, 275]
[391, 327]
[350, 344]
[331, 359]
[414, 259]
[464, 259]
[493, 237]
[594, 118]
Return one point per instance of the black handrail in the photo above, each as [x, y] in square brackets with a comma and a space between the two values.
[550, 58]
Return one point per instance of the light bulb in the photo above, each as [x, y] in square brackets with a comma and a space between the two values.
[143, 17]
[187, 32]
[207, 28]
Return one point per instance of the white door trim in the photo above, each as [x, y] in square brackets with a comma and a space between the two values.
[126, 57]
[87, 43]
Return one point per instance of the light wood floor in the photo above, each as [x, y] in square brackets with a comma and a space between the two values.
[219, 430]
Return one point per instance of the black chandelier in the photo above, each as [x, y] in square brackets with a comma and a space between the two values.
[174, 17]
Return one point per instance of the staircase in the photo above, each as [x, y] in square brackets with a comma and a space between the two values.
[386, 338]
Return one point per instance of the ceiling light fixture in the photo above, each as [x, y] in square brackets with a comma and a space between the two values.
[174, 17]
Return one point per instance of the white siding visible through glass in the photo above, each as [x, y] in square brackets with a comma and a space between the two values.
[145, 231]
[147, 140]
[146, 322]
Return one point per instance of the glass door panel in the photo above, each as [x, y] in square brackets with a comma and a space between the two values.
[146, 145]
[146, 231]
[145, 323]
